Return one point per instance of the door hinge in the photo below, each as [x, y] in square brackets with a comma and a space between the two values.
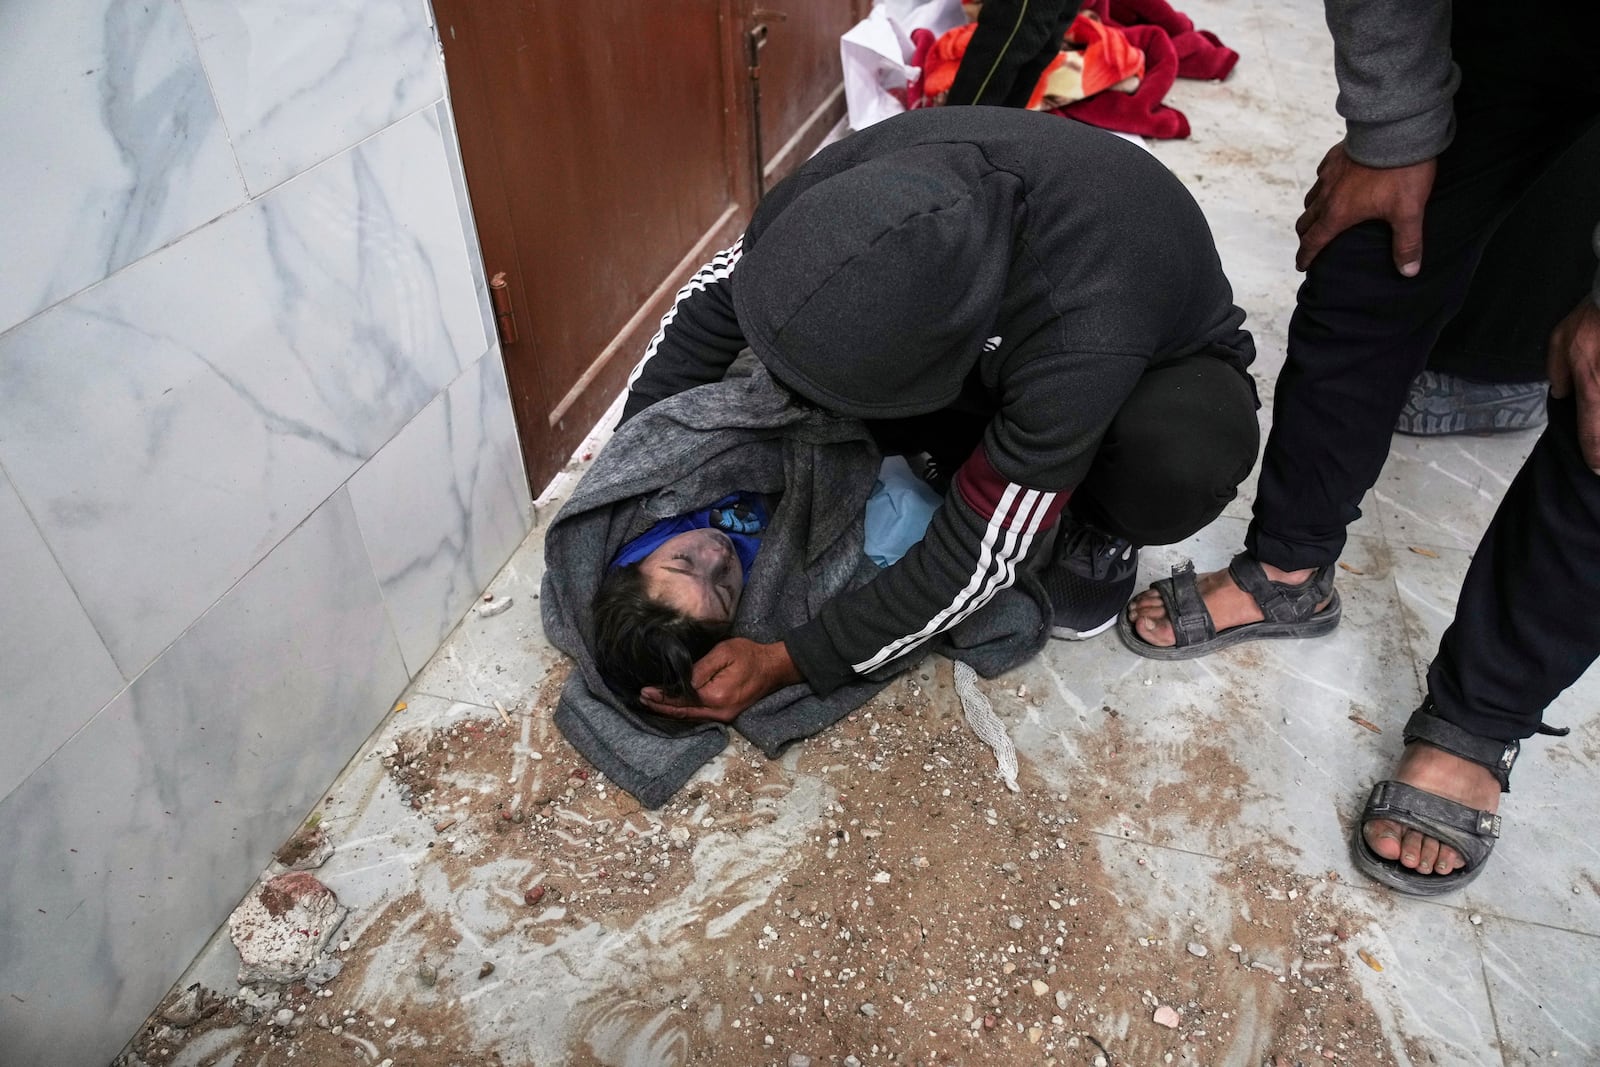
[505, 320]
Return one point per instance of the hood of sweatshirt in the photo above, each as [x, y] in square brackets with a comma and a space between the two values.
[872, 292]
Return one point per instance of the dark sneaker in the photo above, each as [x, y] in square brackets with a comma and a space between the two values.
[1439, 404]
[1090, 580]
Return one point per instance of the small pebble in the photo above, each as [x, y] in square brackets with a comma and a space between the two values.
[798, 1060]
[1475, 919]
[284, 1017]
[486, 970]
[868, 1010]
[1015, 922]
[1196, 949]
[1039, 988]
[1166, 1016]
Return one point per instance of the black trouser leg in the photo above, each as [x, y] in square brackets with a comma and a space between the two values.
[1534, 270]
[1361, 331]
[1526, 625]
[1174, 455]
[1013, 43]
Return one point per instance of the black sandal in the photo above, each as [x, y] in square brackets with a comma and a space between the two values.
[1471, 832]
[1290, 611]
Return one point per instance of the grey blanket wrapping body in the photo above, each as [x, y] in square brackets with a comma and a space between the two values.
[684, 453]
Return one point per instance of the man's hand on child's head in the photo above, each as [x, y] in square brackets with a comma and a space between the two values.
[732, 676]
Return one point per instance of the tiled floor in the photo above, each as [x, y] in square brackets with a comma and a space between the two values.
[1503, 973]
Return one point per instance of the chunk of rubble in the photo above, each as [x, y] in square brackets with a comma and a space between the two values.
[1166, 1016]
[308, 849]
[281, 928]
[185, 1010]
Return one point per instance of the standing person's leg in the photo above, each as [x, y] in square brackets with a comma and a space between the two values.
[1360, 333]
[1013, 43]
[1525, 629]
[1486, 372]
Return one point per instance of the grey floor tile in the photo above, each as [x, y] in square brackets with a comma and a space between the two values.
[1442, 491]
[502, 657]
[1252, 748]
[1542, 983]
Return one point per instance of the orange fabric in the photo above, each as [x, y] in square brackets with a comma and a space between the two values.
[1108, 58]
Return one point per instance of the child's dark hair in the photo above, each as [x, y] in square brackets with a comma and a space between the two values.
[639, 642]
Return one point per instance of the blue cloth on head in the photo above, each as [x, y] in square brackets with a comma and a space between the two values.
[739, 515]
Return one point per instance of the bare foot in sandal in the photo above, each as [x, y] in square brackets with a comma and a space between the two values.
[1442, 774]
[1229, 605]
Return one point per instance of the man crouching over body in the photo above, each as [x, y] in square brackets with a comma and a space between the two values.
[1035, 303]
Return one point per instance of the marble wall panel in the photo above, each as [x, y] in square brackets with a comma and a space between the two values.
[443, 506]
[131, 844]
[469, 226]
[113, 145]
[169, 426]
[298, 81]
[54, 671]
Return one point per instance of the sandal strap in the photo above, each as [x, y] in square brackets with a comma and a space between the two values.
[1498, 756]
[1281, 601]
[1467, 830]
[1186, 609]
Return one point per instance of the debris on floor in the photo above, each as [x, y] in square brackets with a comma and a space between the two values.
[280, 929]
[788, 911]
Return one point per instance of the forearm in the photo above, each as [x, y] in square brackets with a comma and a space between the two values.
[971, 551]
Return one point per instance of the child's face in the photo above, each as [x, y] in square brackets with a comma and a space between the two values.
[697, 573]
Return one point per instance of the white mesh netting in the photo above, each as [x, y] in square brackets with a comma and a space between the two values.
[986, 724]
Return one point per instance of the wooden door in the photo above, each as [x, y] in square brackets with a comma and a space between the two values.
[799, 82]
[609, 151]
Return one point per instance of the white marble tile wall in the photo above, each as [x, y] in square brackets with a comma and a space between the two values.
[132, 843]
[443, 506]
[113, 145]
[172, 424]
[54, 670]
[299, 80]
[237, 267]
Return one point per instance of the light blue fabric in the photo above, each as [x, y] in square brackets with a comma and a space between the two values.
[898, 511]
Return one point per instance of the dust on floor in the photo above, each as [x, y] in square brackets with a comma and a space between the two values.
[876, 896]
